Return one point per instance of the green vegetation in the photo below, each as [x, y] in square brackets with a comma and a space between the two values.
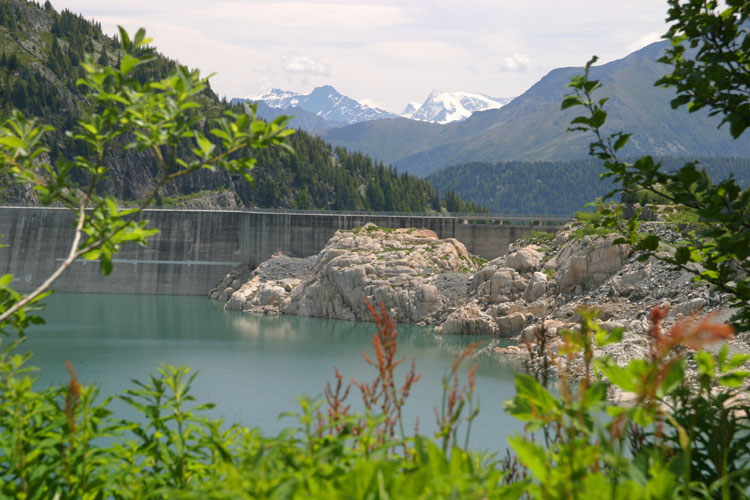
[681, 437]
[557, 187]
[677, 439]
[591, 223]
[719, 252]
[479, 261]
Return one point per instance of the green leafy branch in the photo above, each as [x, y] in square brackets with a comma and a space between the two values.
[158, 116]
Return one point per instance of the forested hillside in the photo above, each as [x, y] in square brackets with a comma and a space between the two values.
[41, 52]
[546, 187]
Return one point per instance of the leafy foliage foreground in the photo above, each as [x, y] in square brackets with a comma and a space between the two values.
[684, 434]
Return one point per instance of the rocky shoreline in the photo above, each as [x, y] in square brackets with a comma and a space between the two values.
[426, 280]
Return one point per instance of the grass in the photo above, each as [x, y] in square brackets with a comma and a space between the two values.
[591, 224]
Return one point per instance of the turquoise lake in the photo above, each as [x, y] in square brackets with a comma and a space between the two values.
[251, 366]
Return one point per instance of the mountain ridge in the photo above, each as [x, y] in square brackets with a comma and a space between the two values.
[325, 102]
[532, 126]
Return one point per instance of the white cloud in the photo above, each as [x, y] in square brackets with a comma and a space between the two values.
[304, 67]
[643, 41]
[389, 50]
[516, 62]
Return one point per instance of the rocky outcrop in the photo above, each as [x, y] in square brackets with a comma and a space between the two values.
[469, 320]
[526, 259]
[423, 279]
[404, 268]
[544, 285]
[266, 289]
[584, 264]
[221, 198]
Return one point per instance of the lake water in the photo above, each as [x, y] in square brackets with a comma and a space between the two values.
[251, 366]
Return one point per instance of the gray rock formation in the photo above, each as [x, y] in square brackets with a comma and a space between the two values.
[267, 289]
[586, 263]
[526, 259]
[403, 268]
[423, 279]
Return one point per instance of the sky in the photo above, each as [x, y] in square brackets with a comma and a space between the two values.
[385, 53]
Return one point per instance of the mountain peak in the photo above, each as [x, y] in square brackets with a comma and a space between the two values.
[327, 103]
[410, 109]
[325, 89]
[446, 107]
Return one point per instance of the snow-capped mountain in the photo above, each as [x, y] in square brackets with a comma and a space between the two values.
[327, 103]
[410, 109]
[446, 107]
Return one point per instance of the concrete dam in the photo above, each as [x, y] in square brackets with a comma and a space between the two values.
[196, 248]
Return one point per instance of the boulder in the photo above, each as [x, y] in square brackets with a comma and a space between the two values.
[469, 320]
[504, 285]
[586, 263]
[481, 277]
[692, 306]
[527, 259]
[511, 325]
[536, 288]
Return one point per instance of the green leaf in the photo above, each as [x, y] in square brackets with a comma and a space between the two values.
[530, 455]
[620, 377]
[206, 147]
[140, 38]
[124, 38]
[604, 337]
[723, 353]
[528, 387]
[682, 255]
[705, 362]
[13, 142]
[598, 118]
[90, 128]
[735, 361]
[621, 141]
[674, 377]
[596, 394]
[734, 379]
[570, 100]
[128, 63]
[105, 261]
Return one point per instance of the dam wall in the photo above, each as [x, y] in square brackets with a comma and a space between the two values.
[196, 248]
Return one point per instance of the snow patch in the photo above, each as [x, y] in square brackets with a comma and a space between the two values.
[327, 103]
[446, 107]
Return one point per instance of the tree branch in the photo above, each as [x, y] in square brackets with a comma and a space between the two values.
[73, 254]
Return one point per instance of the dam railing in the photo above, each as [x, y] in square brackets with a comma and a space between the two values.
[466, 218]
